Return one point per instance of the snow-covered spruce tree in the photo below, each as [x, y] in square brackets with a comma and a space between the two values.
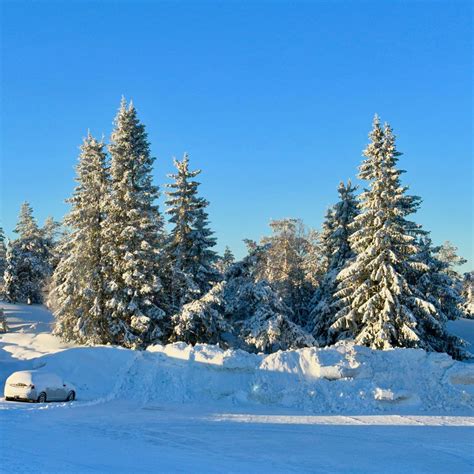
[190, 254]
[3, 259]
[223, 263]
[285, 255]
[468, 294]
[77, 295]
[437, 284]
[203, 320]
[52, 233]
[3, 322]
[204, 258]
[380, 307]
[27, 261]
[448, 254]
[259, 315]
[337, 252]
[241, 312]
[133, 238]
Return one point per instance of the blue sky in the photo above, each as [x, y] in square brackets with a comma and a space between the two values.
[273, 100]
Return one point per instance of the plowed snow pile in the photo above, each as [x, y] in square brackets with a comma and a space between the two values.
[342, 378]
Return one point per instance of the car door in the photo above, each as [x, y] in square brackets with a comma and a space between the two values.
[62, 391]
[53, 388]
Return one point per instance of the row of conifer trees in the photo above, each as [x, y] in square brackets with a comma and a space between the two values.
[117, 276]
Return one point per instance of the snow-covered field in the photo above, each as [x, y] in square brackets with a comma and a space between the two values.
[183, 409]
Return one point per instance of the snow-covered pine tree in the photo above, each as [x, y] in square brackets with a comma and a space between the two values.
[204, 258]
[380, 307]
[468, 294]
[3, 322]
[203, 320]
[436, 282]
[228, 258]
[3, 258]
[261, 319]
[27, 261]
[326, 241]
[223, 263]
[77, 295]
[133, 238]
[52, 233]
[448, 254]
[241, 312]
[337, 252]
[190, 254]
[284, 263]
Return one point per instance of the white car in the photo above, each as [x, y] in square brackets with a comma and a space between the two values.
[37, 386]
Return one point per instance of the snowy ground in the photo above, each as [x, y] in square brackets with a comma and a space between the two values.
[179, 409]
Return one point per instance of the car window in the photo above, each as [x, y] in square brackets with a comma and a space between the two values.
[49, 379]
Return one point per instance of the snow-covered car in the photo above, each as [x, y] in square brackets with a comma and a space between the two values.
[37, 386]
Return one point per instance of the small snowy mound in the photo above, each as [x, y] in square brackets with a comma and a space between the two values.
[337, 379]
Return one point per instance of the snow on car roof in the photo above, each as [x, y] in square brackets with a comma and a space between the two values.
[30, 375]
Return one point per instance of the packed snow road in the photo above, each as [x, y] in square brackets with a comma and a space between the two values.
[123, 437]
[180, 409]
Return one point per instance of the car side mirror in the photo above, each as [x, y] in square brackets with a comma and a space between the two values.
[64, 384]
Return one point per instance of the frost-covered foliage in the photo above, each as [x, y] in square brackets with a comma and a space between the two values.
[468, 294]
[223, 263]
[381, 308]
[190, 254]
[203, 320]
[437, 284]
[52, 234]
[448, 254]
[27, 261]
[252, 310]
[3, 322]
[269, 327]
[288, 260]
[3, 258]
[78, 295]
[336, 253]
[133, 237]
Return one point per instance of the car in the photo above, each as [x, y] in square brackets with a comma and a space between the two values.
[38, 386]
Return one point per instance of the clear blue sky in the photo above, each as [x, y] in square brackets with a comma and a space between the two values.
[273, 100]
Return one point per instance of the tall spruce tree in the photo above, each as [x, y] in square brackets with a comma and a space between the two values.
[381, 308]
[3, 258]
[78, 295]
[27, 261]
[337, 252]
[133, 237]
[191, 258]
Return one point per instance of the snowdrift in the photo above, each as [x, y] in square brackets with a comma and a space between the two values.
[340, 379]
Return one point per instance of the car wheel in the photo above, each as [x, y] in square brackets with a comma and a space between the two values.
[71, 396]
[42, 398]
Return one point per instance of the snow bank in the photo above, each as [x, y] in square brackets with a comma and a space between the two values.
[338, 379]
